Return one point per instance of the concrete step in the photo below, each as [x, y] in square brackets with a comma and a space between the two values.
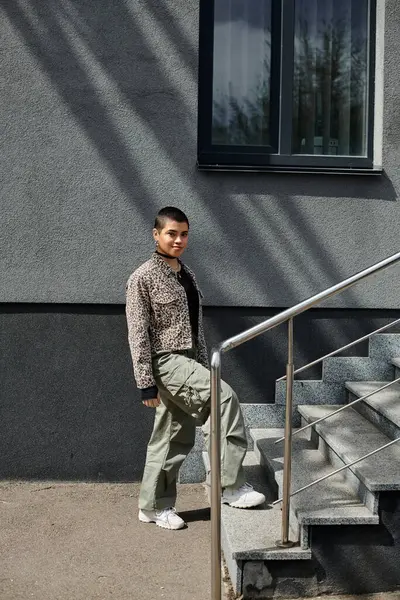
[251, 535]
[330, 502]
[382, 409]
[355, 368]
[311, 391]
[349, 435]
[383, 346]
[396, 364]
[255, 415]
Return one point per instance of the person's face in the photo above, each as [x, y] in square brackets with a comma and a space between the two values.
[173, 238]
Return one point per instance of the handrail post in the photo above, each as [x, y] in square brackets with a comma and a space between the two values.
[216, 579]
[287, 466]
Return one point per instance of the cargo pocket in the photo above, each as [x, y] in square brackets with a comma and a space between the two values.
[171, 371]
[190, 396]
[188, 384]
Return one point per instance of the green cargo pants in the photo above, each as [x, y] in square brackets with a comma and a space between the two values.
[184, 387]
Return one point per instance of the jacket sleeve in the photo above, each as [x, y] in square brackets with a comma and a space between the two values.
[202, 352]
[138, 320]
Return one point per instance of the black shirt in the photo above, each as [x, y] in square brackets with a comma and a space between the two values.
[192, 296]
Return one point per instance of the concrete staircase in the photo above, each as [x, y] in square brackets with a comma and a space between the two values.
[346, 527]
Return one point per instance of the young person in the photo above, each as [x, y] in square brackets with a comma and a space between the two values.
[171, 368]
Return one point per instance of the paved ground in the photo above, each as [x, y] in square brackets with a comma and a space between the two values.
[82, 541]
[387, 596]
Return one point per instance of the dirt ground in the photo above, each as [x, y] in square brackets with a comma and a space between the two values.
[83, 541]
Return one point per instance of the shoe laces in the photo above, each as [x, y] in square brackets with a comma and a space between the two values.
[246, 487]
[166, 511]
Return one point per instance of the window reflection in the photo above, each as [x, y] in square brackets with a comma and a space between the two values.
[330, 77]
[242, 70]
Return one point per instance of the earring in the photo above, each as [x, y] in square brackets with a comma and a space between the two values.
[156, 242]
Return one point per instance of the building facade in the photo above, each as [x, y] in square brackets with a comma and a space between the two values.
[274, 125]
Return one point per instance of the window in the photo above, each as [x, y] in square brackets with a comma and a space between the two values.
[286, 84]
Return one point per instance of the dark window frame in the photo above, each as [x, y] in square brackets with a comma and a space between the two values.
[277, 156]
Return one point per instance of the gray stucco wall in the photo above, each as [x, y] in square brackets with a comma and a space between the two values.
[98, 108]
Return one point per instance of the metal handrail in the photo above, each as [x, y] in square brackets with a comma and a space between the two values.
[335, 412]
[354, 462]
[346, 347]
[286, 315]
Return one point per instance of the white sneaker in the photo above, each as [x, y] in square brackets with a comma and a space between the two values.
[166, 518]
[243, 497]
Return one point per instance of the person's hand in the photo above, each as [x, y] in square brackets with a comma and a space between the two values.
[153, 403]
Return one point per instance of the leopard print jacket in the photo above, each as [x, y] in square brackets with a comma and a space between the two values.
[158, 319]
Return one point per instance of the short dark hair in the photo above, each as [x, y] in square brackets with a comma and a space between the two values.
[170, 213]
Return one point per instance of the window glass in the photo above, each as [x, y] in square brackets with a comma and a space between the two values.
[330, 91]
[241, 72]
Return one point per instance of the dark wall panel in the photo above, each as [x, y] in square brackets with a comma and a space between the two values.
[69, 408]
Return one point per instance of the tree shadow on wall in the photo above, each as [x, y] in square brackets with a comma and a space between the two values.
[87, 49]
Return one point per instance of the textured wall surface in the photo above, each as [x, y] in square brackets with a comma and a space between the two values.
[69, 408]
[98, 109]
